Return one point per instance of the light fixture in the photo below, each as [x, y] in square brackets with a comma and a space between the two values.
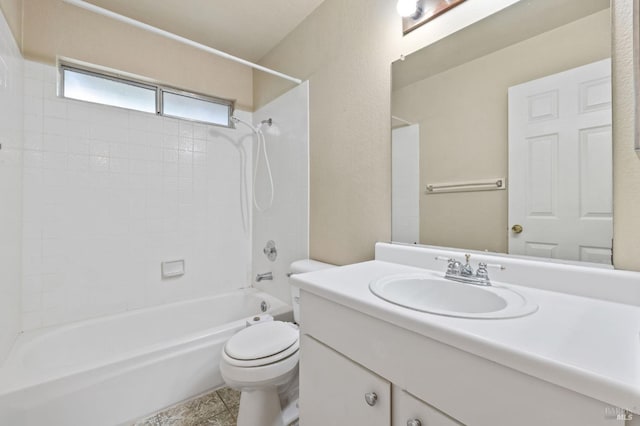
[418, 12]
[407, 8]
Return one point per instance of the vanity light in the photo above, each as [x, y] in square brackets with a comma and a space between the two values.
[418, 12]
[409, 8]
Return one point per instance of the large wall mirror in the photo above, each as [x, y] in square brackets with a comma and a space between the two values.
[501, 135]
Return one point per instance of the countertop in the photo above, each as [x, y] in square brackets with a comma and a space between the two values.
[587, 345]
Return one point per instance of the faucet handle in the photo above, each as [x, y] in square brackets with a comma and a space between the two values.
[482, 274]
[482, 270]
[453, 266]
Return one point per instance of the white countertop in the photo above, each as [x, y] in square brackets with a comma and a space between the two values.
[586, 345]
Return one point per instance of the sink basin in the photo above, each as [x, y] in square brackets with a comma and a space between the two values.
[435, 295]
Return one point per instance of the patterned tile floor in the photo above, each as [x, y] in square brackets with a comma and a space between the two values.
[217, 408]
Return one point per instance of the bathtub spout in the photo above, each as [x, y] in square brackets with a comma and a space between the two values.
[265, 276]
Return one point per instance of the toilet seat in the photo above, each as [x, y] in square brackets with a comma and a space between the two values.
[262, 344]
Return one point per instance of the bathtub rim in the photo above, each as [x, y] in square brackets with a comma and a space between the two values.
[14, 376]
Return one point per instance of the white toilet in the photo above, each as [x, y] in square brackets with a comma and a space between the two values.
[261, 361]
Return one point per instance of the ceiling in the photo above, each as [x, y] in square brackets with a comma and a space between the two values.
[245, 28]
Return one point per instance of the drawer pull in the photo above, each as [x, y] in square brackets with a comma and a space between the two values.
[371, 398]
[414, 422]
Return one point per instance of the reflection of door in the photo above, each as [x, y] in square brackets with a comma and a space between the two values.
[405, 183]
[560, 188]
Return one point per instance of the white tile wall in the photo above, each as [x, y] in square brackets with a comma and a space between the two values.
[11, 141]
[287, 221]
[110, 193]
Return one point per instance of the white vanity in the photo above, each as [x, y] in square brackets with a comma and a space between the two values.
[573, 361]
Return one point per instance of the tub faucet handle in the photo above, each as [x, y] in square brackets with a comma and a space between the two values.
[270, 251]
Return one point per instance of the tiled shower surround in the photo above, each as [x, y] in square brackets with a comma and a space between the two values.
[110, 193]
[11, 140]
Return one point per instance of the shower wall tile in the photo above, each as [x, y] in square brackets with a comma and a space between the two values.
[111, 193]
[11, 159]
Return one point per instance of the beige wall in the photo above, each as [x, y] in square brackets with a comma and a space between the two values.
[12, 10]
[345, 48]
[462, 114]
[626, 163]
[53, 28]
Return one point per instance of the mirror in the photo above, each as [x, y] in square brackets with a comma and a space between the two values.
[501, 135]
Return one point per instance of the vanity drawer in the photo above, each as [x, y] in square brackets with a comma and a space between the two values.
[407, 410]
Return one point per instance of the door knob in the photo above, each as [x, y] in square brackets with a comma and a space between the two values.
[517, 229]
[414, 422]
[371, 398]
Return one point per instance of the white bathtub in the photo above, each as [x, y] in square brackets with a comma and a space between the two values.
[112, 370]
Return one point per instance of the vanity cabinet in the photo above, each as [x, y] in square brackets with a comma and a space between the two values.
[346, 354]
[335, 391]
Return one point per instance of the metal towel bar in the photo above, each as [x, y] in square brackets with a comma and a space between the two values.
[480, 185]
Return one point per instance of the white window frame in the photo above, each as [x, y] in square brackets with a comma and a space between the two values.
[159, 89]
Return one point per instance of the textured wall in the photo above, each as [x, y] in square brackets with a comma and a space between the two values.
[345, 49]
[472, 142]
[53, 29]
[626, 162]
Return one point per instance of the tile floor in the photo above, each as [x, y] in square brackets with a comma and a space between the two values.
[217, 408]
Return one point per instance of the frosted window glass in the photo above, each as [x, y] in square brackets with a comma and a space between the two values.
[190, 108]
[92, 88]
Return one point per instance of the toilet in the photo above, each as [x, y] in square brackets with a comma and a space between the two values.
[261, 361]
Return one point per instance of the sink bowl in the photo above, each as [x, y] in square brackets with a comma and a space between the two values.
[436, 295]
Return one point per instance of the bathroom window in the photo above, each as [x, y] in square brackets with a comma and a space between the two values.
[191, 107]
[102, 88]
[90, 87]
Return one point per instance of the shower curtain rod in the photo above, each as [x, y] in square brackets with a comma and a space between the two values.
[104, 12]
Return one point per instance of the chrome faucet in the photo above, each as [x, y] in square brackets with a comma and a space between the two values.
[467, 270]
[456, 271]
[265, 276]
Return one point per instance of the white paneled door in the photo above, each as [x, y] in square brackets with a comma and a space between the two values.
[560, 172]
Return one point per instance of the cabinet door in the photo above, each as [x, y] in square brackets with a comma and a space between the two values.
[411, 411]
[333, 389]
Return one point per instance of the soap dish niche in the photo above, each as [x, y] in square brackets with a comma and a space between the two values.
[172, 268]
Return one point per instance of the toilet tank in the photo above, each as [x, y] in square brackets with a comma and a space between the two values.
[300, 267]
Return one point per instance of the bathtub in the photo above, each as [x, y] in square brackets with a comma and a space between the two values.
[116, 369]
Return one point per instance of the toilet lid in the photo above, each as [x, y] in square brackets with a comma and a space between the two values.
[262, 340]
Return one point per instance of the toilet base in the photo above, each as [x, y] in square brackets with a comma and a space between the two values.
[260, 407]
[290, 412]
